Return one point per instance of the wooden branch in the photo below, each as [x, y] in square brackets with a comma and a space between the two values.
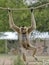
[2, 8]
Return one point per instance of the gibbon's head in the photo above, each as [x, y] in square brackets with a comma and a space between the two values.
[23, 29]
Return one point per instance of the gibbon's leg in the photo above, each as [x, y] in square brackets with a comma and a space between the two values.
[33, 23]
[34, 51]
[22, 52]
[24, 57]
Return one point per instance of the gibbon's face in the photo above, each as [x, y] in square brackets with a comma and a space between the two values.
[23, 29]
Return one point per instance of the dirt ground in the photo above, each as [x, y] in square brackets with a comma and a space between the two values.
[9, 60]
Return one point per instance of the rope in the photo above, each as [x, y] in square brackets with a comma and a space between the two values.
[2, 8]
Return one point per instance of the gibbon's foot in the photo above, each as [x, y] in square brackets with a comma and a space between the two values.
[26, 63]
[9, 10]
[36, 58]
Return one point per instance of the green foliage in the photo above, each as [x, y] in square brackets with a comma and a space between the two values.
[2, 46]
[42, 19]
[24, 17]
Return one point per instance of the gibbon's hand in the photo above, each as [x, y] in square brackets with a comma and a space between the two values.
[9, 10]
[31, 10]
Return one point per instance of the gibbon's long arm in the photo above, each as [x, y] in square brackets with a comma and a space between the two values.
[11, 22]
[33, 23]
